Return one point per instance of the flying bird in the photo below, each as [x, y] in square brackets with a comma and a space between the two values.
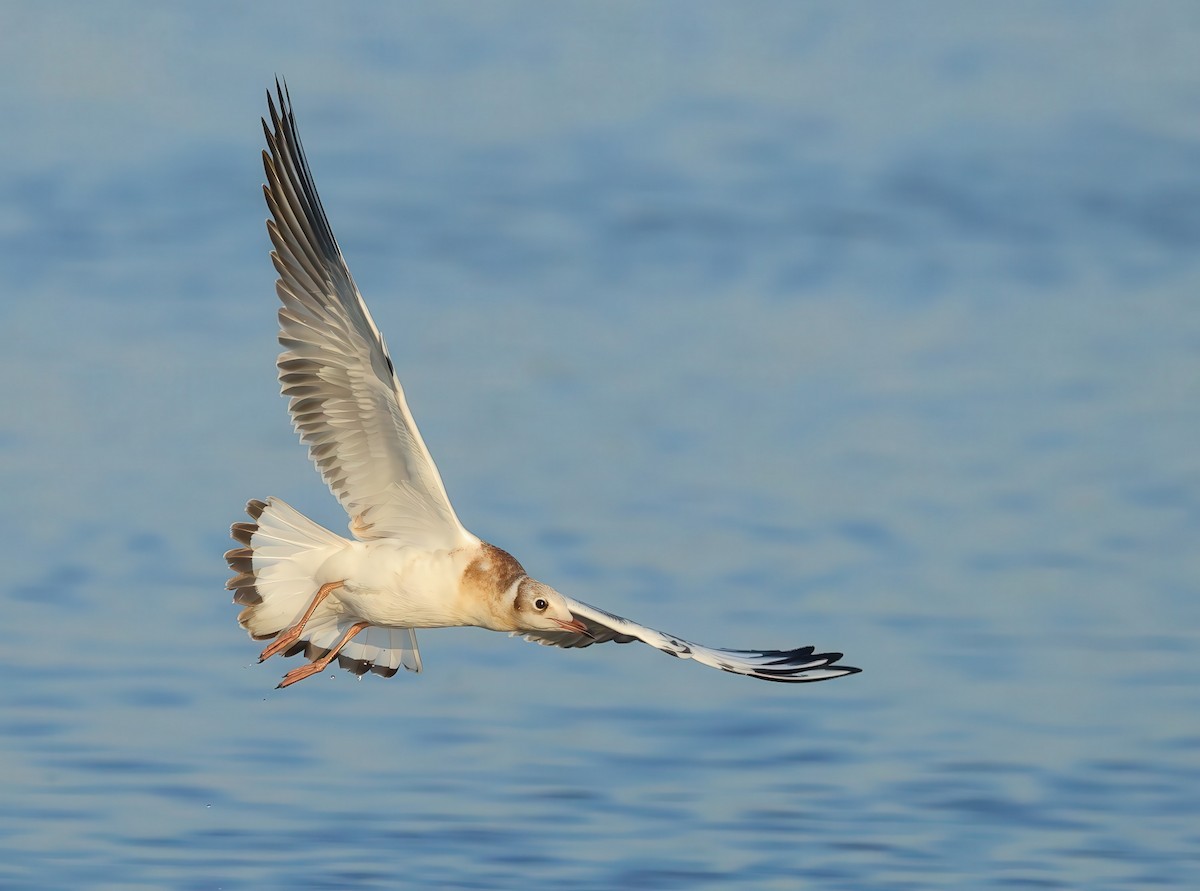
[411, 563]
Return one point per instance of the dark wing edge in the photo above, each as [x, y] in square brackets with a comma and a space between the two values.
[309, 249]
[799, 665]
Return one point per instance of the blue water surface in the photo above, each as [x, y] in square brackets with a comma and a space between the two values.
[875, 327]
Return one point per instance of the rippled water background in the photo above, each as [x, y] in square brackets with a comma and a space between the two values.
[870, 326]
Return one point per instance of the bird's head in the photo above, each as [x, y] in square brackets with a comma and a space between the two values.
[497, 594]
[538, 607]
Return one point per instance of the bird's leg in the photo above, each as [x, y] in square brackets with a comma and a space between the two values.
[299, 674]
[289, 637]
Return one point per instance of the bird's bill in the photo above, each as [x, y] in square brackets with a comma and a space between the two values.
[574, 626]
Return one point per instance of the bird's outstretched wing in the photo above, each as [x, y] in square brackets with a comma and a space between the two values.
[344, 397]
[788, 666]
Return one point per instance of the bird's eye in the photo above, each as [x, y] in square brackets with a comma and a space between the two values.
[540, 604]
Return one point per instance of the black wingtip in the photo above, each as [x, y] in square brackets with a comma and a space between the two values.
[794, 666]
[281, 111]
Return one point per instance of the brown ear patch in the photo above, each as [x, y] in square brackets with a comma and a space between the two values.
[493, 572]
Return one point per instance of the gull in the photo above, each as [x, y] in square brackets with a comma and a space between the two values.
[410, 564]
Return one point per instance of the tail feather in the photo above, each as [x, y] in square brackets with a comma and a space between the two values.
[275, 578]
[379, 650]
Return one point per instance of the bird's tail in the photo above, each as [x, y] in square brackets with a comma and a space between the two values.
[276, 571]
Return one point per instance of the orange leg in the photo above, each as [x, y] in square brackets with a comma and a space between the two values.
[299, 674]
[289, 637]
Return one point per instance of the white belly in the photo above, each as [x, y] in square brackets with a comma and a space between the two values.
[390, 585]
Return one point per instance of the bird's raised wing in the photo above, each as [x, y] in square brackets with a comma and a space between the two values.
[344, 397]
[789, 666]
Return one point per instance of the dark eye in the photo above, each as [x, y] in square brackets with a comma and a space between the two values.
[540, 604]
